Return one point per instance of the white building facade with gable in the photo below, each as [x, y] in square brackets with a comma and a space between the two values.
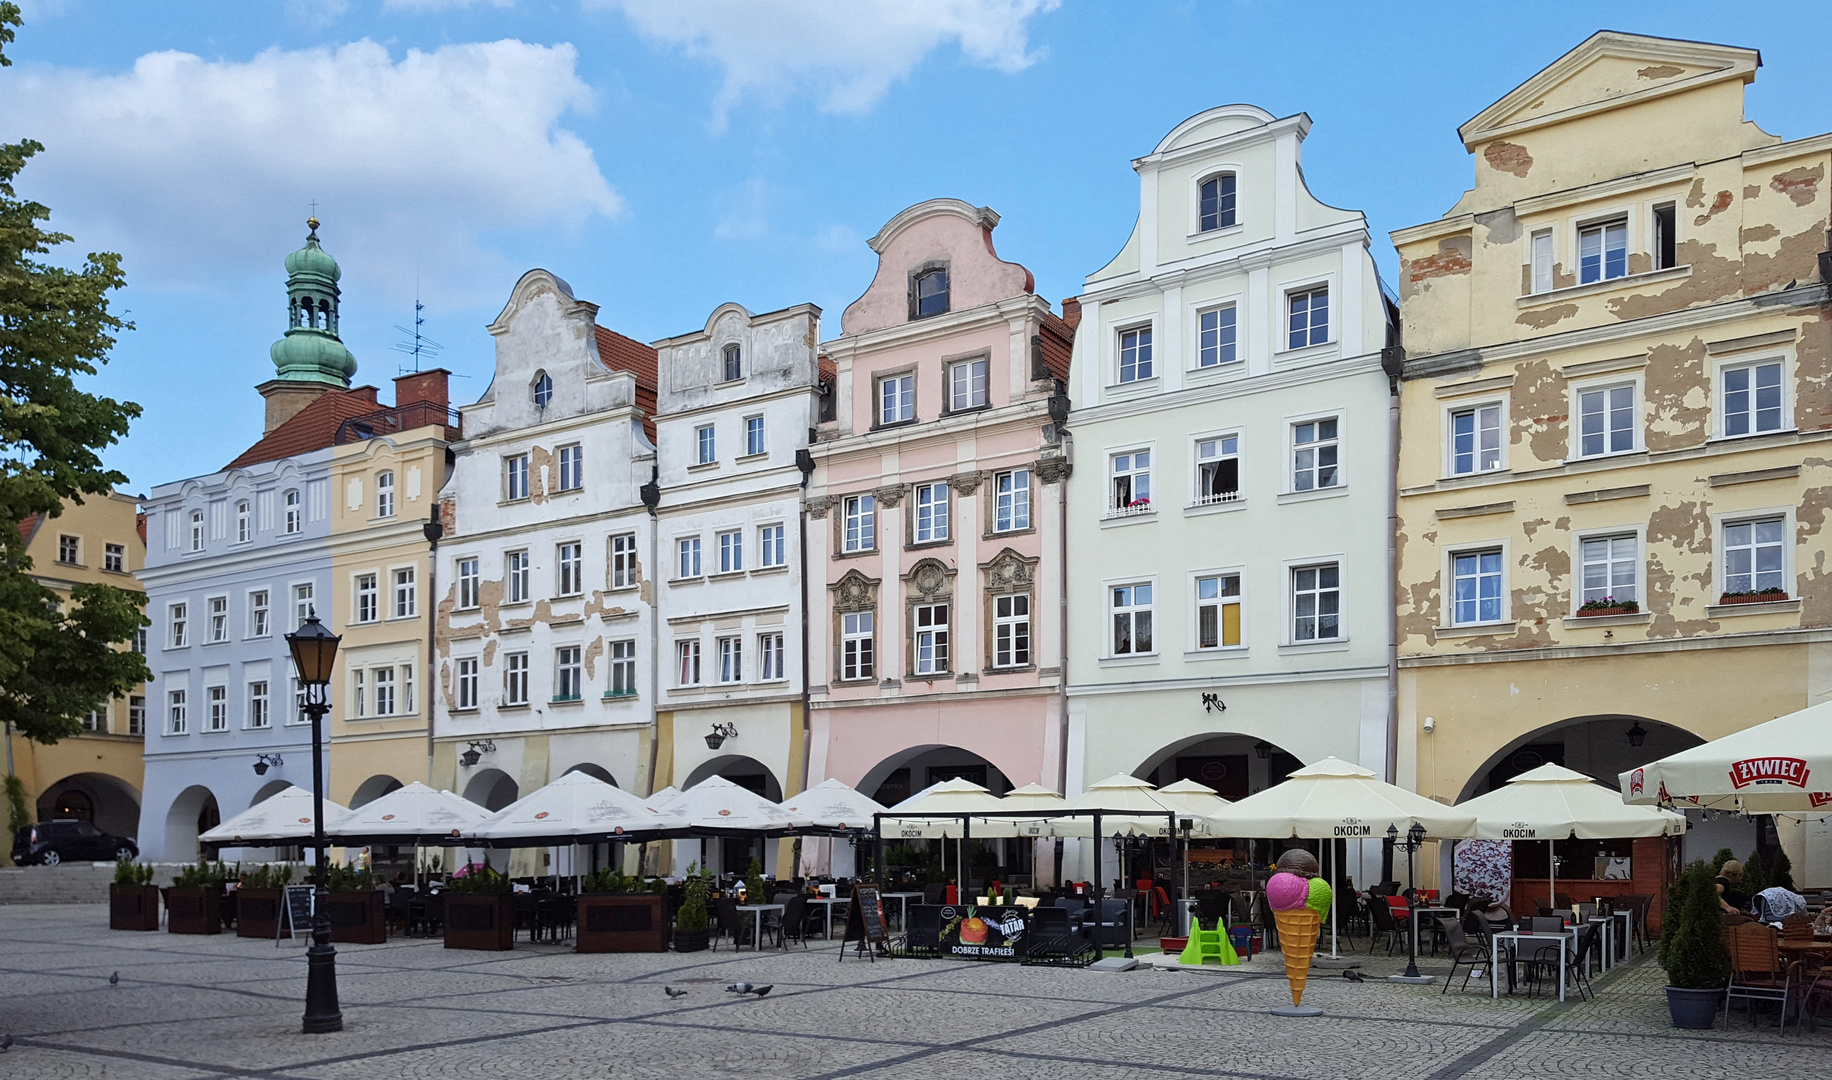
[1228, 528]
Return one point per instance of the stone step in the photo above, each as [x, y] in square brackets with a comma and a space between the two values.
[69, 883]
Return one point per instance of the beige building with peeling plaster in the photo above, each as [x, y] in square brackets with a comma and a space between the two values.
[1616, 448]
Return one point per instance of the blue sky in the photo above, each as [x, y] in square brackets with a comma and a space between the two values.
[665, 156]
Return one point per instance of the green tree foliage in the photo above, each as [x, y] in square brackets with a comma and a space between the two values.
[1693, 948]
[1723, 856]
[1755, 873]
[57, 661]
[1781, 872]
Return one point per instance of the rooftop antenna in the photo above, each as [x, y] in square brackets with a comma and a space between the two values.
[418, 346]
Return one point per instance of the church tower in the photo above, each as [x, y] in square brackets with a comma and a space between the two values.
[311, 358]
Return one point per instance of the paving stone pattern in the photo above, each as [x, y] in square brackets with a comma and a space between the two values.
[196, 1007]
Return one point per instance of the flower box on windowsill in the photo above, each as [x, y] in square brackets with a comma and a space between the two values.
[1764, 597]
[1614, 609]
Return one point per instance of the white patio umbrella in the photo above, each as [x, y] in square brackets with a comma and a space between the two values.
[663, 797]
[415, 814]
[1552, 802]
[1334, 799]
[831, 804]
[284, 817]
[960, 799]
[1782, 766]
[577, 808]
[1129, 806]
[1031, 797]
[717, 807]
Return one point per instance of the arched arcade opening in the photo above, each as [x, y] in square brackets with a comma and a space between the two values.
[107, 802]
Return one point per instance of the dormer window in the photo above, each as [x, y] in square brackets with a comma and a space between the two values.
[543, 390]
[733, 363]
[1216, 203]
[929, 293]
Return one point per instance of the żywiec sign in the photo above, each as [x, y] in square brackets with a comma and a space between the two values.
[1791, 771]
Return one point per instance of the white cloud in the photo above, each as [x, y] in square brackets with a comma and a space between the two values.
[440, 5]
[849, 52]
[193, 167]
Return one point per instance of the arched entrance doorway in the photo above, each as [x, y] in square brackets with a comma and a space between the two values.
[107, 802]
[1233, 765]
[374, 788]
[910, 772]
[492, 789]
[733, 854]
[194, 811]
[268, 791]
[596, 772]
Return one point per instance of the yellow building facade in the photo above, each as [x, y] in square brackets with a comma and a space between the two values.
[1616, 415]
[384, 491]
[96, 776]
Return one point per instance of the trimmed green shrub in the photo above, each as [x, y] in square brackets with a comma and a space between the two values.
[1694, 954]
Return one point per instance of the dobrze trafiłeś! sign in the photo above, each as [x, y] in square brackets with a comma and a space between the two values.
[983, 933]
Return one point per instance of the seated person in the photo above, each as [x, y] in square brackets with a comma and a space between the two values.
[1732, 900]
[1823, 924]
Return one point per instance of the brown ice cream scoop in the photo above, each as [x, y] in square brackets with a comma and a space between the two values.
[1300, 862]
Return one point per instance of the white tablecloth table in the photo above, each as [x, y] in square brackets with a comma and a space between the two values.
[758, 910]
[1520, 938]
[828, 902]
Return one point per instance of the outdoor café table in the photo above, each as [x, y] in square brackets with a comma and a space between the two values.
[1528, 937]
[903, 904]
[828, 902]
[1601, 957]
[759, 909]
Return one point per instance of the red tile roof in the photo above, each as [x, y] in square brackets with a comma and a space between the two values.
[311, 428]
[620, 353]
[29, 527]
[1058, 339]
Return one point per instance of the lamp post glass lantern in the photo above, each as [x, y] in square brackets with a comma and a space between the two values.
[314, 650]
[1415, 839]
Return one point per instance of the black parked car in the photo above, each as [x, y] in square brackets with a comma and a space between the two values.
[53, 842]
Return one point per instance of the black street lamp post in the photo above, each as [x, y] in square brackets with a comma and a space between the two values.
[314, 650]
[1415, 839]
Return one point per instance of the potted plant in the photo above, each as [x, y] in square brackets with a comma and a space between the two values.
[194, 903]
[477, 914]
[1608, 605]
[1754, 596]
[259, 898]
[1692, 949]
[354, 905]
[618, 913]
[692, 923]
[133, 899]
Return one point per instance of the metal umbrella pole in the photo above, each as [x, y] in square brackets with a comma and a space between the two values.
[1415, 839]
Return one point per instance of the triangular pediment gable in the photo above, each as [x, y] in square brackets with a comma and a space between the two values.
[1608, 71]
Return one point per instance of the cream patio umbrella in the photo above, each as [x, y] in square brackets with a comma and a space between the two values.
[827, 810]
[1552, 802]
[1334, 799]
[1783, 766]
[948, 808]
[284, 817]
[577, 808]
[1199, 800]
[415, 814]
[1030, 797]
[1128, 806]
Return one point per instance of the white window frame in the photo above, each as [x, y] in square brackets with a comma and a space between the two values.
[1330, 315]
[1200, 497]
[114, 558]
[858, 646]
[568, 668]
[1225, 346]
[384, 494]
[1721, 396]
[136, 714]
[1292, 593]
[387, 702]
[515, 678]
[1231, 213]
[731, 363]
[216, 609]
[772, 545]
[706, 444]
[1143, 362]
[623, 564]
[571, 466]
[771, 657]
[687, 563]
[366, 591]
[1007, 629]
[929, 521]
[468, 575]
[730, 649]
[305, 601]
[1293, 448]
[1542, 258]
[1219, 602]
[518, 577]
[1574, 404]
[687, 662]
[731, 551]
[1600, 222]
[177, 712]
[1578, 538]
[1504, 581]
[1011, 500]
[902, 398]
[858, 523]
[464, 682]
[754, 432]
[569, 568]
[515, 477]
[1720, 527]
[197, 531]
[1133, 504]
[216, 708]
[1451, 409]
[929, 641]
[404, 592]
[294, 513]
[244, 521]
[260, 613]
[969, 384]
[1130, 607]
[620, 681]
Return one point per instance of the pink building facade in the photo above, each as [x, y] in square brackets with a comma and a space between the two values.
[935, 521]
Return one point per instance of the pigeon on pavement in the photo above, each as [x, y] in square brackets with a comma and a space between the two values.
[762, 990]
[673, 993]
[1354, 976]
[115, 979]
[739, 988]
[6, 1042]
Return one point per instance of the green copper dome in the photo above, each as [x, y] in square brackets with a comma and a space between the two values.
[311, 351]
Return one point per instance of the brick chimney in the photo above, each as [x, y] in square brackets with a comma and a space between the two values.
[422, 386]
[1071, 312]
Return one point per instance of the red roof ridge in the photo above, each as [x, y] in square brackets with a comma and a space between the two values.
[620, 353]
[311, 428]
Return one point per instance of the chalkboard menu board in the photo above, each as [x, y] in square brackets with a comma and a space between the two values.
[865, 921]
[298, 911]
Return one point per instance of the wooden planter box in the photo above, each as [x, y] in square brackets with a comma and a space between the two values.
[1595, 613]
[357, 918]
[194, 911]
[622, 922]
[691, 940]
[257, 913]
[133, 907]
[479, 921]
[1756, 598]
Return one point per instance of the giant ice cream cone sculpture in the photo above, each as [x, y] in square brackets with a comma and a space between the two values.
[1298, 930]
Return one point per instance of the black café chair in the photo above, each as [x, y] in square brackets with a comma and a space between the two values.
[730, 919]
[794, 921]
[1463, 953]
[1380, 915]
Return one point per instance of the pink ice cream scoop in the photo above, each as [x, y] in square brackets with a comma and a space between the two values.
[1287, 891]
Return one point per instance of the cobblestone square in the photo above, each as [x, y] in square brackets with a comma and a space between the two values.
[199, 1007]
